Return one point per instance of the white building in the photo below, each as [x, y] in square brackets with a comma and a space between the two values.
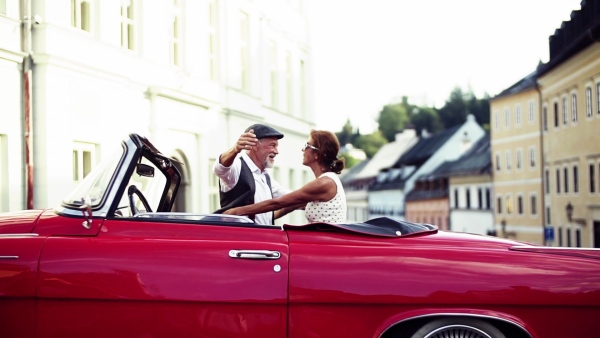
[387, 195]
[357, 187]
[190, 75]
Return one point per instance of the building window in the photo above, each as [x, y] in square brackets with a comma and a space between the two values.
[302, 87]
[498, 164]
[128, 24]
[520, 205]
[568, 237]
[555, 114]
[533, 204]
[499, 205]
[84, 155]
[578, 238]
[598, 98]
[531, 111]
[480, 198]
[566, 179]
[289, 81]
[175, 34]
[545, 118]
[456, 198]
[273, 74]
[588, 102]
[564, 110]
[518, 115]
[4, 191]
[488, 198]
[81, 14]
[557, 180]
[245, 51]
[213, 188]
[532, 157]
[508, 160]
[508, 204]
[213, 46]
[592, 178]
[548, 222]
[506, 118]
[574, 107]
[519, 159]
[546, 181]
[560, 236]
[497, 120]
[468, 195]
[575, 179]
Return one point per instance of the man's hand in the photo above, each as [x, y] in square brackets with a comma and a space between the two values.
[246, 141]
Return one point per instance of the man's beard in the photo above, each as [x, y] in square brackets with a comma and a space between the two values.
[270, 162]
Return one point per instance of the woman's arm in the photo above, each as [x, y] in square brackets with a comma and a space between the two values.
[284, 211]
[321, 189]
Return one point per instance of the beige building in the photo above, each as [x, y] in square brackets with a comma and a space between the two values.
[570, 89]
[546, 142]
[517, 170]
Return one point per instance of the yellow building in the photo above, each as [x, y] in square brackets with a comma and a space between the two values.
[570, 90]
[517, 169]
[546, 142]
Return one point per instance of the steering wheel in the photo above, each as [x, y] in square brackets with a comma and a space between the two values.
[134, 190]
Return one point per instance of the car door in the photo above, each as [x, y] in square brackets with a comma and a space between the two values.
[18, 269]
[141, 278]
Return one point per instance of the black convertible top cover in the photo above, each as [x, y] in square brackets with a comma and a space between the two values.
[381, 226]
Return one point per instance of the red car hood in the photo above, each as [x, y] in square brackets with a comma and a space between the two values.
[18, 222]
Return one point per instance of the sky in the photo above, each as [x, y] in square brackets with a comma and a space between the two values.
[367, 54]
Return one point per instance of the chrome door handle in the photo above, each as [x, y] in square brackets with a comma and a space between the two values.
[254, 254]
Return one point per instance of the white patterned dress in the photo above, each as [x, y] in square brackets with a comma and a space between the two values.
[332, 211]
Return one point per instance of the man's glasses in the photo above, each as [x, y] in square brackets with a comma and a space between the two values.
[306, 145]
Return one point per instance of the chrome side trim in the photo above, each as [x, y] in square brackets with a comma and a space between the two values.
[9, 257]
[18, 235]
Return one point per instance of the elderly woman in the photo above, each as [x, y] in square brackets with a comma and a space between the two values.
[323, 199]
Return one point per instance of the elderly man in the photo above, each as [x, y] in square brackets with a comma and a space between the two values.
[241, 170]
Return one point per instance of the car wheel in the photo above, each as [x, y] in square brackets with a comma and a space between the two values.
[458, 328]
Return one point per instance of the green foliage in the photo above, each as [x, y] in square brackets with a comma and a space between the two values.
[349, 160]
[371, 143]
[426, 118]
[460, 104]
[393, 118]
[345, 136]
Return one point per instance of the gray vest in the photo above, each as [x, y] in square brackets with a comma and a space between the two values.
[243, 192]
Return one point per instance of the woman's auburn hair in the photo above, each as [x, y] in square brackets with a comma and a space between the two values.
[328, 148]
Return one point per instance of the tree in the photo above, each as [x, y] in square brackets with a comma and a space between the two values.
[425, 118]
[480, 108]
[392, 120]
[455, 111]
[371, 143]
[345, 136]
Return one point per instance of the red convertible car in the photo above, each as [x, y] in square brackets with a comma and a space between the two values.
[114, 261]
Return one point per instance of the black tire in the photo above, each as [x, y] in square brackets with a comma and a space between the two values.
[458, 327]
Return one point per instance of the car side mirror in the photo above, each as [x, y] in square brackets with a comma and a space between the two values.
[144, 170]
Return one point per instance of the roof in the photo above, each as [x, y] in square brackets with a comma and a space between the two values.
[389, 154]
[349, 175]
[425, 148]
[528, 82]
[476, 161]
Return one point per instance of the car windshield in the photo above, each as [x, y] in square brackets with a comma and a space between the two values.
[95, 185]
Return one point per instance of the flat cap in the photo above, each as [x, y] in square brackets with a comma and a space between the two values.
[262, 131]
